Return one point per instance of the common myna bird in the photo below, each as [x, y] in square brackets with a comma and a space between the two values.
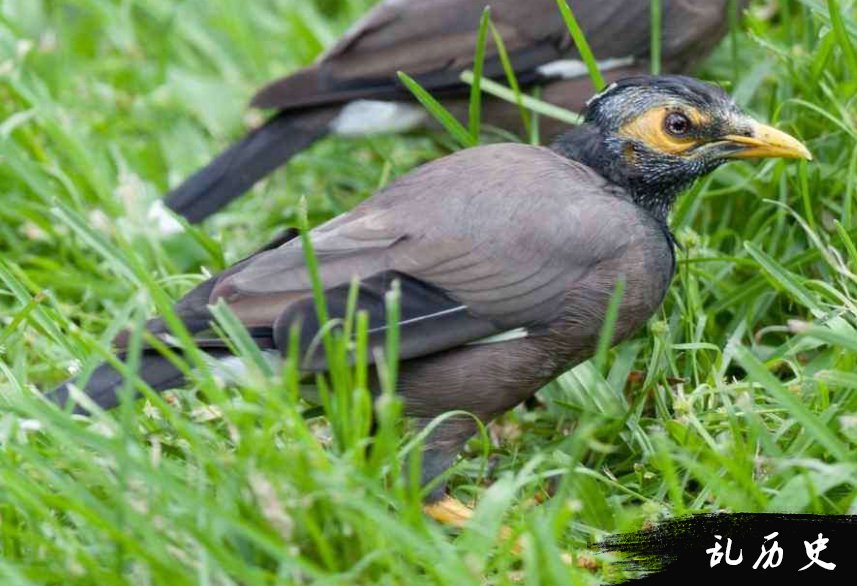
[507, 258]
[354, 90]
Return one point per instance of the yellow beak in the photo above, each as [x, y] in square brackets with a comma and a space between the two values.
[767, 142]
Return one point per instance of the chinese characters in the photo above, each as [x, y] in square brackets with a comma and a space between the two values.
[771, 555]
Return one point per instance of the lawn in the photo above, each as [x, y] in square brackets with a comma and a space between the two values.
[741, 395]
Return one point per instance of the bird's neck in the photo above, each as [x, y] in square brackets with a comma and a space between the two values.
[586, 144]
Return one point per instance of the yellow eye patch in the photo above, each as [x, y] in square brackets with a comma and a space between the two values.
[648, 129]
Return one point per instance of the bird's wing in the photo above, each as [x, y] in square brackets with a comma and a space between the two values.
[434, 40]
[482, 242]
[431, 40]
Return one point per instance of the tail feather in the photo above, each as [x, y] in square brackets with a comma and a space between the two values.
[244, 163]
[105, 381]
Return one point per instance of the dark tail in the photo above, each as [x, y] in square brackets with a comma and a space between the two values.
[105, 381]
[244, 163]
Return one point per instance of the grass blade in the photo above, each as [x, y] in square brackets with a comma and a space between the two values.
[581, 44]
[475, 111]
[785, 278]
[543, 108]
[656, 15]
[842, 34]
[436, 109]
[793, 406]
[511, 78]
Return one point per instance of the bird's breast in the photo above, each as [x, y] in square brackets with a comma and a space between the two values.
[640, 276]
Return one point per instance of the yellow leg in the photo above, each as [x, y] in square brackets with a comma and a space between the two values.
[452, 512]
[449, 511]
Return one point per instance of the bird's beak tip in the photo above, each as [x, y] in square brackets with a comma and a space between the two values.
[768, 142]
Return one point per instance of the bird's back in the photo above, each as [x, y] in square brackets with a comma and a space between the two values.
[437, 38]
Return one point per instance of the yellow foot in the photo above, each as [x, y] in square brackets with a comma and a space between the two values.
[449, 511]
[452, 512]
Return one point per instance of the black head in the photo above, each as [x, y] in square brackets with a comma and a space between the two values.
[655, 135]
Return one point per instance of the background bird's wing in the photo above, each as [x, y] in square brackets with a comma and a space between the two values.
[431, 40]
[434, 40]
[482, 242]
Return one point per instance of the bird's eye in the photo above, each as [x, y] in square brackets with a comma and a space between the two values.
[677, 124]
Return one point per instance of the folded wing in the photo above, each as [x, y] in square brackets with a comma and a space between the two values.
[492, 255]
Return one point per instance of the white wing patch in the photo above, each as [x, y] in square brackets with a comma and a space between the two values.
[515, 334]
[163, 220]
[414, 320]
[233, 370]
[364, 117]
[574, 69]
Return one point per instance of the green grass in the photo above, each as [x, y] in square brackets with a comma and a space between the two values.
[741, 394]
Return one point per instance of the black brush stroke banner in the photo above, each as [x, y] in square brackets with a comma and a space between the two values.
[684, 548]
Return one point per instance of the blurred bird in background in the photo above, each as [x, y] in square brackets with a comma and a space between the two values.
[353, 88]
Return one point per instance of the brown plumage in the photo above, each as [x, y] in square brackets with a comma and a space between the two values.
[521, 241]
[434, 41]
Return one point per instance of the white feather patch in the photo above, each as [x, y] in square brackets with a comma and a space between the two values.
[233, 370]
[414, 320]
[163, 220]
[363, 117]
[516, 334]
[573, 69]
[600, 95]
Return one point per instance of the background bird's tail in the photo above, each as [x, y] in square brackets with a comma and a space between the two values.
[241, 165]
[105, 381]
